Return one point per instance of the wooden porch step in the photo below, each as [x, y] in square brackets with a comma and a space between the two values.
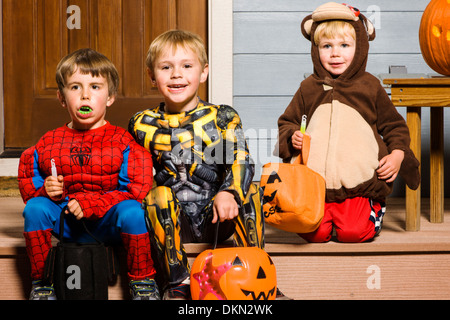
[398, 264]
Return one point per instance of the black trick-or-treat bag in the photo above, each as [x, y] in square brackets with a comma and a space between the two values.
[80, 271]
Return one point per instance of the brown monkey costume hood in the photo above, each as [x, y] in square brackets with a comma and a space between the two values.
[352, 122]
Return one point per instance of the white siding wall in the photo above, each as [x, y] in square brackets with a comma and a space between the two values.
[271, 57]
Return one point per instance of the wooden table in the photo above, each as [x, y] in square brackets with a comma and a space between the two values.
[415, 93]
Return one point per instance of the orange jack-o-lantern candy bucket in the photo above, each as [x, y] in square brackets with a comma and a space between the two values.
[243, 273]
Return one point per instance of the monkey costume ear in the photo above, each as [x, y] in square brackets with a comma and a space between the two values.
[306, 27]
[368, 25]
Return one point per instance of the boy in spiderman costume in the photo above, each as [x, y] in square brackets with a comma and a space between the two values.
[95, 169]
[203, 167]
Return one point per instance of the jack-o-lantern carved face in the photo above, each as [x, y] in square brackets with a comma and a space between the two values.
[434, 36]
[233, 274]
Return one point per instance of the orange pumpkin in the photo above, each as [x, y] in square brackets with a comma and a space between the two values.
[434, 36]
[233, 274]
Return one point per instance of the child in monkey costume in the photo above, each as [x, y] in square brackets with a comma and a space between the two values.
[359, 142]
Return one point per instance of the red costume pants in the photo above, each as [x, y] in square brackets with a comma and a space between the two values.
[123, 223]
[354, 220]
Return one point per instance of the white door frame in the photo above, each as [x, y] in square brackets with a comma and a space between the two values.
[221, 51]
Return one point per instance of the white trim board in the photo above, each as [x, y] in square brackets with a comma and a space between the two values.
[9, 167]
[220, 51]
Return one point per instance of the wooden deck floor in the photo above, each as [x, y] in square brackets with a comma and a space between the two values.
[398, 264]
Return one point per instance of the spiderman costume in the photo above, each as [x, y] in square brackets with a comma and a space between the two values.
[108, 173]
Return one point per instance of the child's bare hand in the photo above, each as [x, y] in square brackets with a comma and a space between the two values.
[54, 186]
[297, 140]
[390, 166]
[74, 208]
[224, 207]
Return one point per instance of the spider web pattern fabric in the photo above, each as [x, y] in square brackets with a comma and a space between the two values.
[101, 167]
[38, 244]
[139, 260]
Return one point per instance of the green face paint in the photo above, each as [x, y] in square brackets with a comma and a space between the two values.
[85, 110]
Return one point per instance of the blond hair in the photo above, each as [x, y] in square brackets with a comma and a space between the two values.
[175, 38]
[87, 61]
[334, 29]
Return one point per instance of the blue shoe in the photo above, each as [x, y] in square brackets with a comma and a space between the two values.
[178, 292]
[41, 291]
[144, 290]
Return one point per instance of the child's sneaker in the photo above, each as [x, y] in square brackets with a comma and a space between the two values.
[144, 290]
[40, 291]
[181, 291]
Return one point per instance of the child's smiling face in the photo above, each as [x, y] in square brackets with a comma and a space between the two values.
[336, 54]
[86, 98]
[178, 74]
